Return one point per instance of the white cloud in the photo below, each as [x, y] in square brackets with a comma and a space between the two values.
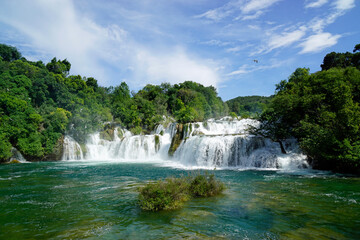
[315, 4]
[256, 5]
[215, 14]
[104, 52]
[245, 9]
[175, 67]
[253, 16]
[285, 39]
[344, 4]
[55, 27]
[318, 42]
[340, 8]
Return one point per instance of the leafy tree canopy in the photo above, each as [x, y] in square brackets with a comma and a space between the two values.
[322, 111]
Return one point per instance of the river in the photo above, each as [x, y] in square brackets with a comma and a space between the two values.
[98, 200]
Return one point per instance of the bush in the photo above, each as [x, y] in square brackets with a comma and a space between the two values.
[166, 194]
[172, 193]
[205, 186]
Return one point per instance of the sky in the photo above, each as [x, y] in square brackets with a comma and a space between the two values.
[212, 42]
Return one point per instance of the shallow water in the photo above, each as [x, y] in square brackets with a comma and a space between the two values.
[77, 200]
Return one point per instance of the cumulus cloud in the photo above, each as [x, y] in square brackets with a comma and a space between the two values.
[55, 27]
[104, 52]
[315, 4]
[318, 42]
[174, 68]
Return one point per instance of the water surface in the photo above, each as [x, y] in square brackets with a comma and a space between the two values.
[78, 200]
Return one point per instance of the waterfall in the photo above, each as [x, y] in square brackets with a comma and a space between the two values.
[16, 155]
[129, 146]
[215, 143]
[242, 151]
[72, 149]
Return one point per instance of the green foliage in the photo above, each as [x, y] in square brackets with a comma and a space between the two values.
[167, 194]
[233, 115]
[205, 186]
[322, 111]
[5, 148]
[187, 102]
[172, 193]
[342, 60]
[249, 106]
[59, 67]
[9, 53]
[136, 130]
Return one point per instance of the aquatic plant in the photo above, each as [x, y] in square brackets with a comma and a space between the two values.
[205, 186]
[167, 194]
[172, 193]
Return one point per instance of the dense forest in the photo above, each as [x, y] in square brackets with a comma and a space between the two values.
[322, 111]
[248, 106]
[39, 103]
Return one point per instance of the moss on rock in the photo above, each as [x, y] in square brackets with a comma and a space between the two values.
[14, 161]
[177, 139]
[157, 143]
[107, 134]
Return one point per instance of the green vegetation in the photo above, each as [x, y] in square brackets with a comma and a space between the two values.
[322, 111]
[205, 186]
[168, 194]
[172, 193]
[249, 106]
[40, 102]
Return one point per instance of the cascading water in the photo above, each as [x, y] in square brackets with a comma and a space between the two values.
[72, 149]
[130, 146]
[215, 143]
[16, 155]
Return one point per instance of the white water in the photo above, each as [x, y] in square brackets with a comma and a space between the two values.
[16, 155]
[72, 150]
[214, 144]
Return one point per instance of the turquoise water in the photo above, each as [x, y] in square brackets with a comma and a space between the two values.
[82, 200]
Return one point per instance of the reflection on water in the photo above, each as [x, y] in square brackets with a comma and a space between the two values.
[76, 200]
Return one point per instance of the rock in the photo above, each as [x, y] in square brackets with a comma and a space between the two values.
[177, 139]
[14, 161]
[157, 143]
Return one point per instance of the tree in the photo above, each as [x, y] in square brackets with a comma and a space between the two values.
[322, 111]
[356, 48]
[59, 67]
[9, 53]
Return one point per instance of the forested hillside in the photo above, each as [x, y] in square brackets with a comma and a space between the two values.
[249, 106]
[39, 103]
[322, 111]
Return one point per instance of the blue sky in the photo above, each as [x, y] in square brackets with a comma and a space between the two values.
[212, 42]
